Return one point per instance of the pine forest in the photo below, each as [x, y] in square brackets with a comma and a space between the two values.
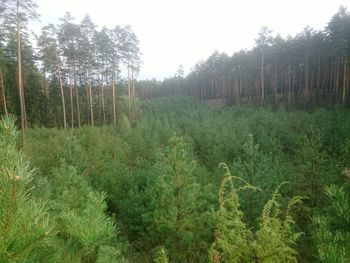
[245, 158]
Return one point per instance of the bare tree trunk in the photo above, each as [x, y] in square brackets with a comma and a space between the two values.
[129, 92]
[20, 83]
[289, 82]
[344, 80]
[24, 101]
[99, 100]
[113, 96]
[132, 87]
[318, 80]
[293, 82]
[3, 93]
[78, 108]
[103, 100]
[240, 87]
[275, 88]
[62, 92]
[256, 92]
[311, 89]
[337, 79]
[262, 76]
[331, 83]
[76, 97]
[306, 88]
[90, 94]
[323, 89]
[71, 91]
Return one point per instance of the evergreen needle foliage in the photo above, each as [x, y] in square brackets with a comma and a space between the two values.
[25, 225]
[333, 236]
[138, 193]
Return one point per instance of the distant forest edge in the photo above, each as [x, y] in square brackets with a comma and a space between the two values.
[307, 70]
[72, 74]
[75, 74]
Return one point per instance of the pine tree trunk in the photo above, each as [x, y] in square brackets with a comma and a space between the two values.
[212, 88]
[337, 79]
[103, 101]
[331, 83]
[23, 99]
[113, 96]
[129, 93]
[311, 88]
[306, 88]
[256, 91]
[3, 93]
[275, 88]
[71, 91]
[289, 83]
[318, 80]
[62, 92]
[99, 101]
[78, 108]
[262, 76]
[90, 97]
[293, 82]
[20, 83]
[76, 97]
[240, 88]
[344, 81]
[132, 86]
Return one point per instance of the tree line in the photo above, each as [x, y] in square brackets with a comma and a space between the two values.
[72, 74]
[309, 69]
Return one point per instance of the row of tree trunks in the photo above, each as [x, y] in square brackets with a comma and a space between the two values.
[302, 84]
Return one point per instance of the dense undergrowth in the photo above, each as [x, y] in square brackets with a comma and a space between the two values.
[153, 191]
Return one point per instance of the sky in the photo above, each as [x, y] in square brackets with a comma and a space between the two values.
[174, 32]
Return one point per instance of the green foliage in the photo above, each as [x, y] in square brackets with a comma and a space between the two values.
[79, 164]
[332, 235]
[82, 224]
[232, 236]
[274, 241]
[177, 218]
[276, 238]
[161, 256]
[161, 188]
[107, 254]
[91, 228]
[25, 225]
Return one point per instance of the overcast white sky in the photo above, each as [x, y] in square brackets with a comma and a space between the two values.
[186, 31]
